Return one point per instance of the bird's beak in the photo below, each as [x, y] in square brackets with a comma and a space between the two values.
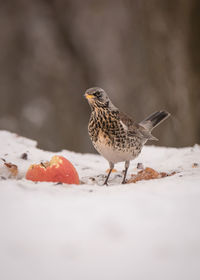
[89, 96]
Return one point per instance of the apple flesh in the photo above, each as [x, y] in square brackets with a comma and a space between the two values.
[59, 169]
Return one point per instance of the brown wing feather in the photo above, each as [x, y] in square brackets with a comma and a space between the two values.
[134, 129]
[128, 121]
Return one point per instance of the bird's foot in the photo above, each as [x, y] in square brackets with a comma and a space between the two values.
[105, 183]
[124, 181]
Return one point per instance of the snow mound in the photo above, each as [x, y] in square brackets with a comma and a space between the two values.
[146, 230]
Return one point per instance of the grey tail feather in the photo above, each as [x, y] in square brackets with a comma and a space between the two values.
[154, 119]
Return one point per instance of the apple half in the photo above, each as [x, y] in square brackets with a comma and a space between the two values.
[58, 169]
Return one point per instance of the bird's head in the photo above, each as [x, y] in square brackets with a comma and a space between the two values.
[97, 97]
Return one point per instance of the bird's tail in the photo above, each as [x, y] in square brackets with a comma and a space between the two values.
[154, 119]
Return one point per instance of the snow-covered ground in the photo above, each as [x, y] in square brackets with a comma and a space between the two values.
[148, 230]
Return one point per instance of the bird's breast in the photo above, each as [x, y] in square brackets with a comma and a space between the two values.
[111, 140]
[109, 151]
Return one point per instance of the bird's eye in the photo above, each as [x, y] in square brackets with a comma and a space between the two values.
[97, 94]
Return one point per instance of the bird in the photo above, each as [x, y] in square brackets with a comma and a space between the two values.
[114, 134]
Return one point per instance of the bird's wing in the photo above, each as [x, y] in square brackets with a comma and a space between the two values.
[128, 124]
[133, 128]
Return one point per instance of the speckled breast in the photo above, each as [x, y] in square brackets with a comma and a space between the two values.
[111, 140]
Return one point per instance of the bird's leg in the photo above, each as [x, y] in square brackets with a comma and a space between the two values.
[127, 162]
[111, 168]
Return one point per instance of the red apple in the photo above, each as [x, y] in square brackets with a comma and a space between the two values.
[59, 169]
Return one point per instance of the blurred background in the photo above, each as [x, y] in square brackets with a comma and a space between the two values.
[144, 53]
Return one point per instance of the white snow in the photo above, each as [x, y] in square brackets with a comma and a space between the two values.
[148, 230]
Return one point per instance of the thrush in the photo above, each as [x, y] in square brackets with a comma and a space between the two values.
[115, 135]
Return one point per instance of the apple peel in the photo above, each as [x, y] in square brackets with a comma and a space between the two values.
[148, 174]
